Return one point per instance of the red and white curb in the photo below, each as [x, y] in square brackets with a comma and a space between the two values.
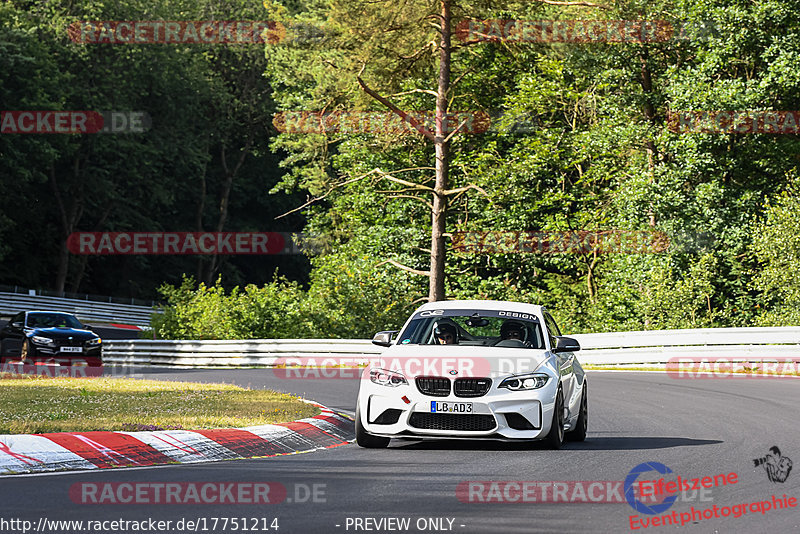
[59, 451]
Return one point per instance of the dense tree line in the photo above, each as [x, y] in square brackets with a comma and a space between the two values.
[587, 142]
[203, 165]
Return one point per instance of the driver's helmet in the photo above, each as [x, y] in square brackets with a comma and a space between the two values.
[446, 328]
[511, 329]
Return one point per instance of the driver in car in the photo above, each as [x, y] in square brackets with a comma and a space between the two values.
[446, 334]
[512, 330]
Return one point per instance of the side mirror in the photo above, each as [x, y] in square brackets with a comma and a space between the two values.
[384, 339]
[566, 344]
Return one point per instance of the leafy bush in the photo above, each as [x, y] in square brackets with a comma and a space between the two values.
[776, 245]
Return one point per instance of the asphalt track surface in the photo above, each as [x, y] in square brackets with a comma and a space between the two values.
[696, 427]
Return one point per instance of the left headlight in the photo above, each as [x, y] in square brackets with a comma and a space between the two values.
[93, 342]
[387, 378]
[524, 382]
[41, 340]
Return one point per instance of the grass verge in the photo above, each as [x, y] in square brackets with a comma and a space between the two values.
[35, 404]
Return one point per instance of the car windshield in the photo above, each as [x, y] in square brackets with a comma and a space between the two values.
[52, 320]
[487, 328]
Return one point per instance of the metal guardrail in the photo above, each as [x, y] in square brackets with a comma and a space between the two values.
[659, 346]
[234, 352]
[85, 310]
[655, 346]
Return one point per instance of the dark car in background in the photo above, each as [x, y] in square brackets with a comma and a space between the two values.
[49, 337]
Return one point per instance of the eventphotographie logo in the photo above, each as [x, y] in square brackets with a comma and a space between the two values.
[777, 466]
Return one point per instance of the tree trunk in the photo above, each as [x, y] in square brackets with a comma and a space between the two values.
[68, 218]
[225, 194]
[439, 212]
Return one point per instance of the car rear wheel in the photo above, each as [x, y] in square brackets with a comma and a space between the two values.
[555, 438]
[582, 424]
[365, 439]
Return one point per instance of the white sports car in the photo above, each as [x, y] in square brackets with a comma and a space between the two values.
[474, 369]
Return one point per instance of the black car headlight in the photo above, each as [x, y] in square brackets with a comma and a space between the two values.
[94, 342]
[387, 378]
[41, 340]
[525, 382]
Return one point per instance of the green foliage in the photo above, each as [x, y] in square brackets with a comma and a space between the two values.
[599, 156]
[197, 311]
[777, 247]
[349, 298]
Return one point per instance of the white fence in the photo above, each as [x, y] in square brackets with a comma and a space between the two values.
[648, 347]
[233, 353]
[658, 346]
[85, 310]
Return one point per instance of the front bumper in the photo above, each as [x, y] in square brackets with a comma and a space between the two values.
[500, 414]
[48, 353]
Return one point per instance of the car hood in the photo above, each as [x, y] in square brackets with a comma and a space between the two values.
[63, 333]
[460, 361]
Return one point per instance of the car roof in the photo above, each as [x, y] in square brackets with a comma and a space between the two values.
[500, 305]
[50, 311]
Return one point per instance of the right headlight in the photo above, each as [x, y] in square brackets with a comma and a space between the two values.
[525, 382]
[387, 378]
[41, 340]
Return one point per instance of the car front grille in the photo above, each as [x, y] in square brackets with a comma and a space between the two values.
[471, 387]
[434, 386]
[446, 421]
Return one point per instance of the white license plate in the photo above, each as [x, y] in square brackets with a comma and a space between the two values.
[71, 349]
[451, 407]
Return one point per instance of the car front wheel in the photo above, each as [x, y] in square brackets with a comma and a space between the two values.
[27, 352]
[555, 438]
[365, 439]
